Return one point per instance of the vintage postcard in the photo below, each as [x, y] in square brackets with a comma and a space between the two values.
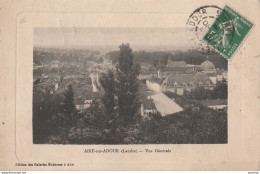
[130, 85]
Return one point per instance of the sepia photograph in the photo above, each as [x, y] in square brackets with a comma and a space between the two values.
[126, 86]
[130, 85]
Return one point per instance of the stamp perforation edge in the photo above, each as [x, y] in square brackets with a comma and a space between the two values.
[243, 40]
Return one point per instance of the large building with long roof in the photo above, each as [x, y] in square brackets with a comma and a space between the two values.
[179, 83]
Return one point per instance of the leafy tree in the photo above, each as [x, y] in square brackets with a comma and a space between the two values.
[164, 59]
[100, 60]
[113, 56]
[41, 115]
[95, 116]
[155, 63]
[45, 111]
[108, 84]
[127, 88]
[200, 93]
[221, 90]
[68, 107]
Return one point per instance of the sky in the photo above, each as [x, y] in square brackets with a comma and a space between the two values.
[138, 38]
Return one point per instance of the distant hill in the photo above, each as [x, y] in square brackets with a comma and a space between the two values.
[190, 56]
[47, 55]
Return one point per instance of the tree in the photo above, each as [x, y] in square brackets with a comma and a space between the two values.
[68, 107]
[100, 60]
[108, 84]
[46, 108]
[221, 90]
[164, 59]
[42, 107]
[200, 93]
[155, 63]
[127, 84]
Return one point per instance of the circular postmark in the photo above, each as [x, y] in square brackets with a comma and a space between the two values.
[198, 24]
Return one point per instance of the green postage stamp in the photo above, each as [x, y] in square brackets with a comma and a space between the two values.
[227, 32]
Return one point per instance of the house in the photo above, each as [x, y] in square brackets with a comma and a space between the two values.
[83, 99]
[179, 83]
[154, 85]
[148, 108]
[218, 104]
[175, 67]
[218, 76]
[79, 103]
[213, 77]
[221, 75]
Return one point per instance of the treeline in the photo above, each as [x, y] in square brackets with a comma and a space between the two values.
[190, 57]
[70, 55]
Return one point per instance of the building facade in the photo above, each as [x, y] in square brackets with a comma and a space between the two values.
[179, 83]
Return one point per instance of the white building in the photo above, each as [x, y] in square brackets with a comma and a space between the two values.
[218, 104]
[148, 108]
[154, 86]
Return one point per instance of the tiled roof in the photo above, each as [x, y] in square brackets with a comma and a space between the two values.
[179, 78]
[188, 79]
[175, 68]
[203, 77]
[156, 80]
[177, 63]
[212, 74]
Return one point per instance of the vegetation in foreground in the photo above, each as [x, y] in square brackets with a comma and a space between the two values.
[115, 118]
